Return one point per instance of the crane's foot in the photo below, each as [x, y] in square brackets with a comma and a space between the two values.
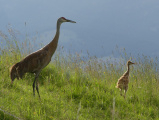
[124, 97]
[121, 93]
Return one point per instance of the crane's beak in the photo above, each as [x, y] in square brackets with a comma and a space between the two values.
[133, 63]
[70, 21]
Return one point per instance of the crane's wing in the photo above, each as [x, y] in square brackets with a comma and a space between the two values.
[36, 61]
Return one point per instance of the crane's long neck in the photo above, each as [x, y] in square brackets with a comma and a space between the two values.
[53, 44]
[128, 69]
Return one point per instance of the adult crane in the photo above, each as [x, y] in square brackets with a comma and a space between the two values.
[36, 61]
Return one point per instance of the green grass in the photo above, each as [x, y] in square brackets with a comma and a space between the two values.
[72, 88]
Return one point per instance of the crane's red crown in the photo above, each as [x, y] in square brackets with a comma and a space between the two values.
[63, 18]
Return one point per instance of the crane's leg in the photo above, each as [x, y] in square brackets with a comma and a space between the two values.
[121, 92]
[37, 89]
[125, 93]
[34, 85]
[36, 82]
[126, 88]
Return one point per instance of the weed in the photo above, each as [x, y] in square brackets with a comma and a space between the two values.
[73, 87]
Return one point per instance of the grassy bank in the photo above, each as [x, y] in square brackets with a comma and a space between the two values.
[73, 88]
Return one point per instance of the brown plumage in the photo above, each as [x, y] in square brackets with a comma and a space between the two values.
[36, 61]
[123, 81]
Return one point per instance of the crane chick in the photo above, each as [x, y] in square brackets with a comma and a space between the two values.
[123, 81]
[36, 61]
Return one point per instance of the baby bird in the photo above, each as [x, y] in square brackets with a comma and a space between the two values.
[123, 81]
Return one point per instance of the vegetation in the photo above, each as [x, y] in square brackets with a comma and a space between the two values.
[72, 87]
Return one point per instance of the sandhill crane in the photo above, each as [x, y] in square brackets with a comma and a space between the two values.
[123, 81]
[36, 61]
